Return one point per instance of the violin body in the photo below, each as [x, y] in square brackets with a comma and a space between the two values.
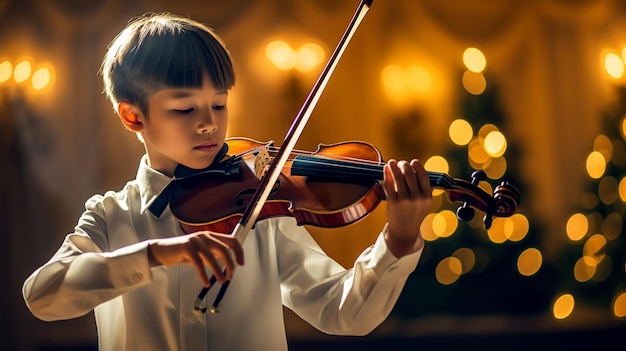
[334, 186]
[215, 201]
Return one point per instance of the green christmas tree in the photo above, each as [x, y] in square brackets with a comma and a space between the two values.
[594, 257]
[474, 271]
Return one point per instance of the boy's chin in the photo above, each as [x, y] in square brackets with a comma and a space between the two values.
[198, 165]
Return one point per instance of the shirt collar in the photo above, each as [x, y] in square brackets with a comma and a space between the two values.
[155, 187]
[151, 183]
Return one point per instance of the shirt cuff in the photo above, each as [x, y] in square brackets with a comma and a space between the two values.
[130, 266]
[385, 264]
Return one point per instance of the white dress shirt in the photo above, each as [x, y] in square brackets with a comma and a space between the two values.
[103, 266]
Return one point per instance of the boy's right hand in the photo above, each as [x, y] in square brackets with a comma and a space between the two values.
[200, 249]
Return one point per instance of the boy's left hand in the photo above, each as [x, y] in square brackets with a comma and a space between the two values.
[409, 196]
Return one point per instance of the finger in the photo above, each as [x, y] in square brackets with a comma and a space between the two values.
[389, 180]
[404, 178]
[410, 178]
[233, 245]
[198, 263]
[222, 252]
[209, 250]
[423, 178]
[399, 176]
[215, 267]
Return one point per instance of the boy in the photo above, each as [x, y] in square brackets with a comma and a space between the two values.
[168, 79]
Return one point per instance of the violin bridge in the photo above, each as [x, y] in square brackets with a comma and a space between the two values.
[261, 162]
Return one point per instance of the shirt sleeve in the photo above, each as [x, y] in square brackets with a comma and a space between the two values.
[80, 275]
[336, 300]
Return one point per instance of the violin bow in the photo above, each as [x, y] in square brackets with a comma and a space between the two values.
[259, 198]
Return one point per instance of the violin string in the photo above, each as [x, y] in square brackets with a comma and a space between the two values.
[353, 164]
[354, 160]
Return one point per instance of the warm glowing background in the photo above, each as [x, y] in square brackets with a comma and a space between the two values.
[552, 67]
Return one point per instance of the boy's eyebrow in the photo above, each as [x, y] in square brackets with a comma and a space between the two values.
[182, 93]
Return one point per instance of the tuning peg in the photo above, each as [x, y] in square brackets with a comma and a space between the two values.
[487, 220]
[478, 176]
[465, 213]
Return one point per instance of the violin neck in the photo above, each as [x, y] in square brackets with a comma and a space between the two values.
[347, 170]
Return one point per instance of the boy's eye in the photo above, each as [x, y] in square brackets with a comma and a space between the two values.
[219, 107]
[185, 111]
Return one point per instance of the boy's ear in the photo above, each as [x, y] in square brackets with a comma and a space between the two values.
[129, 114]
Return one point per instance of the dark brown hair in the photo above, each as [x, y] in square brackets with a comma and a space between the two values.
[159, 51]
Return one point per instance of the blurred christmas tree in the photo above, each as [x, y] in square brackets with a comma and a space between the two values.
[595, 255]
[465, 269]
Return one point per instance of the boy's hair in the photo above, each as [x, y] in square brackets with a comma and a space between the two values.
[159, 51]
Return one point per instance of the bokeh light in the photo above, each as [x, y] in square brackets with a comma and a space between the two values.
[576, 226]
[619, 305]
[444, 223]
[308, 57]
[595, 246]
[6, 71]
[404, 83]
[495, 143]
[495, 168]
[614, 65]
[596, 164]
[563, 306]
[529, 261]
[281, 55]
[304, 59]
[467, 258]
[460, 132]
[41, 78]
[474, 83]
[603, 145]
[474, 60]
[448, 270]
[22, 71]
[418, 79]
[427, 228]
[622, 189]
[585, 268]
[519, 227]
[498, 231]
[393, 79]
[608, 190]
[612, 226]
[476, 152]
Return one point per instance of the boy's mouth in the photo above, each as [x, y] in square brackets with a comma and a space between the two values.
[205, 146]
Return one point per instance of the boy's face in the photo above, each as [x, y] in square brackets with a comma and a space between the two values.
[185, 126]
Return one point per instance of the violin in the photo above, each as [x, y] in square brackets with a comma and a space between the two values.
[333, 186]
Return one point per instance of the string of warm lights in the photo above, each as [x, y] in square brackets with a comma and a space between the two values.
[22, 72]
[304, 59]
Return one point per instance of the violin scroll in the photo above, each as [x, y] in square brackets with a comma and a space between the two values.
[507, 199]
[504, 202]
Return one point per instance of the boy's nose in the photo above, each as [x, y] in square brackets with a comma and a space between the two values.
[207, 124]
